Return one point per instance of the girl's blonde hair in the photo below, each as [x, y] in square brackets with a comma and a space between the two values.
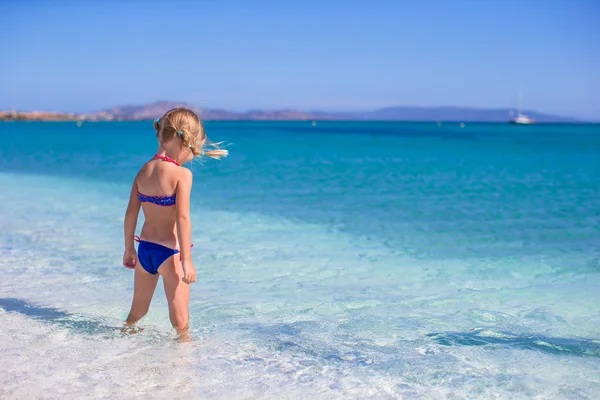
[183, 124]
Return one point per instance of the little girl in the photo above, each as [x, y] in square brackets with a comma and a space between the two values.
[162, 189]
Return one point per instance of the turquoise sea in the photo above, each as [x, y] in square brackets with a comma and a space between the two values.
[342, 260]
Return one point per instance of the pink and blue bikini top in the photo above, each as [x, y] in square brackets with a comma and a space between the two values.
[164, 201]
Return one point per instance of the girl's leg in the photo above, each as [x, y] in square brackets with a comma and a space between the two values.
[144, 285]
[178, 294]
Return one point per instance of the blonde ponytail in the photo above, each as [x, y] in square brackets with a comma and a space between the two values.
[216, 152]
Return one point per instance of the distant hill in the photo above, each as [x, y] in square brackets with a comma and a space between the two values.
[145, 111]
[413, 114]
[153, 110]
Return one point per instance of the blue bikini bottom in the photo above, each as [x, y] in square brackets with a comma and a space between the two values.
[152, 255]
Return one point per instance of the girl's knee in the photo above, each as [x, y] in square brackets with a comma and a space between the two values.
[180, 321]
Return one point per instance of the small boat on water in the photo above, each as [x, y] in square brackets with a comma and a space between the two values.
[521, 118]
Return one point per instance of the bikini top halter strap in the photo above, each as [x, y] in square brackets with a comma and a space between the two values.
[167, 159]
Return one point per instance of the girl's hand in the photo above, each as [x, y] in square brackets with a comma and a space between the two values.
[129, 259]
[189, 272]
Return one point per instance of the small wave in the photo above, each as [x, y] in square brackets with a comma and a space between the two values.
[552, 345]
[74, 322]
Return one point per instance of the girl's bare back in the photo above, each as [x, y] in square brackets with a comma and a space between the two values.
[158, 178]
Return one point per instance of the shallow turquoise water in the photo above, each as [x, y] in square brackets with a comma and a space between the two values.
[361, 260]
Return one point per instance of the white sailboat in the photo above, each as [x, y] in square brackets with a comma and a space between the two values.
[521, 118]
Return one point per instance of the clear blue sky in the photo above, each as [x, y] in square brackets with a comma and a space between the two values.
[334, 55]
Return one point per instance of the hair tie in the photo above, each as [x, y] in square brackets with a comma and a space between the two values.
[157, 120]
[179, 133]
[201, 153]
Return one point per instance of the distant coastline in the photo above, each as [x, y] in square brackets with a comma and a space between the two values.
[37, 116]
[407, 114]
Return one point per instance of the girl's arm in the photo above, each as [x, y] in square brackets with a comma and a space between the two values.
[184, 223]
[131, 216]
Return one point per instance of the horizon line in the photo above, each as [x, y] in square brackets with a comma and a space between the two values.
[297, 109]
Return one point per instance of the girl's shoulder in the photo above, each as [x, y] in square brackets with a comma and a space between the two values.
[185, 174]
